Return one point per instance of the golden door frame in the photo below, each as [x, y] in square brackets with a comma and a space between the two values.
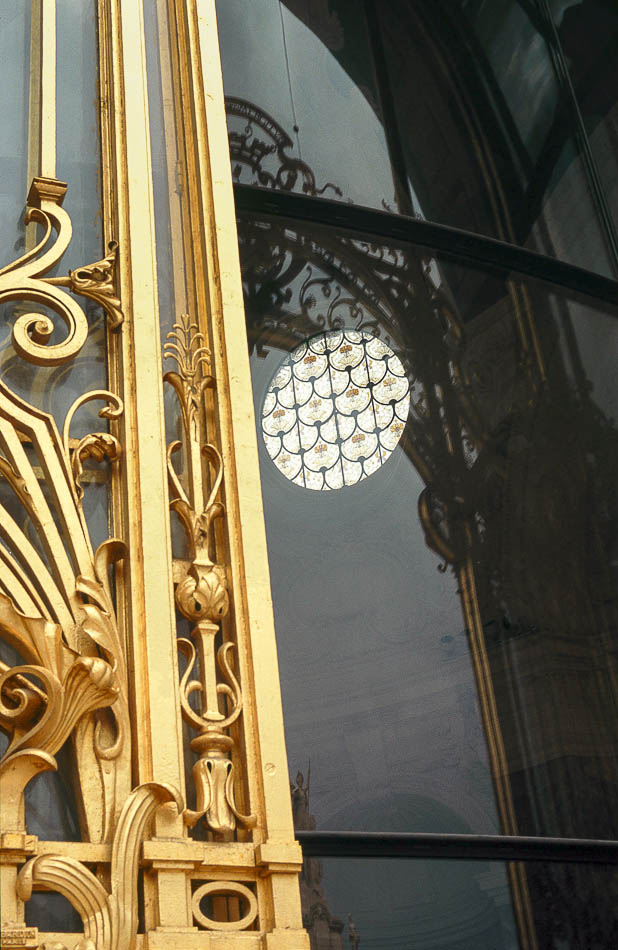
[85, 653]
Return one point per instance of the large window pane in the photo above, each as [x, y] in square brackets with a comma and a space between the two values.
[459, 905]
[302, 100]
[445, 623]
[588, 36]
[489, 135]
[454, 112]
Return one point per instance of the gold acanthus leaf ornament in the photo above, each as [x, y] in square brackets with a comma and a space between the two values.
[24, 279]
[202, 595]
[186, 345]
[56, 611]
[97, 282]
[95, 445]
[109, 916]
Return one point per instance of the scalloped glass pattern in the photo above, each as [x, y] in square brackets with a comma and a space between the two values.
[335, 409]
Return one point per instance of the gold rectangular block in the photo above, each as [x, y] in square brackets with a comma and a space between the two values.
[19, 937]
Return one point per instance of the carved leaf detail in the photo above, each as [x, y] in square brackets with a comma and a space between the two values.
[109, 919]
[97, 281]
[56, 610]
[89, 684]
[202, 595]
[97, 446]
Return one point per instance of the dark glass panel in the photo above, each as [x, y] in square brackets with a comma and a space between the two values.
[588, 37]
[302, 101]
[51, 809]
[488, 134]
[451, 617]
[458, 905]
[51, 912]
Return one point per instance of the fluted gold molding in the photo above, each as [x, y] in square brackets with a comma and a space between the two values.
[266, 761]
[109, 917]
[141, 511]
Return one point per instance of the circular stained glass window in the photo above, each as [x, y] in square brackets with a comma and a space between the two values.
[335, 409]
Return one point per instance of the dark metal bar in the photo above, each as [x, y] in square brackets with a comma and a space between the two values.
[475, 248]
[356, 844]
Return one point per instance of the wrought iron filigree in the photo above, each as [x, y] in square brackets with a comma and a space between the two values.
[260, 145]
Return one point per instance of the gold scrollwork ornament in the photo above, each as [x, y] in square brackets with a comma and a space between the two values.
[109, 917]
[24, 279]
[56, 611]
[202, 597]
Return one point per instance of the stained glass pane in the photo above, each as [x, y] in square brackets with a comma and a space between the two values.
[335, 409]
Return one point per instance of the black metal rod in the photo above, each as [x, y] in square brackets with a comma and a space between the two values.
[475, 248]
[356, 844]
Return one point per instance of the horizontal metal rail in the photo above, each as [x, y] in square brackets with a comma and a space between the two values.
[358, 844]
[475, 248]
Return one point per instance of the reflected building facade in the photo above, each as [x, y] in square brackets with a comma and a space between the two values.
[446, 627]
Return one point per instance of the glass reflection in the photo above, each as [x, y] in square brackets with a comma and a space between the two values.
[588, 36]
[302, 101]
[458, 905]
[445, 627]
[460, 109]
[491, 143]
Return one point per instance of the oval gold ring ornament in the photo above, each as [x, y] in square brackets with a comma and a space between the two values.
[220, 888]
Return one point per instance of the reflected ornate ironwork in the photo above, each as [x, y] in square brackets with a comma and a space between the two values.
[520, 502]
[259, 145]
